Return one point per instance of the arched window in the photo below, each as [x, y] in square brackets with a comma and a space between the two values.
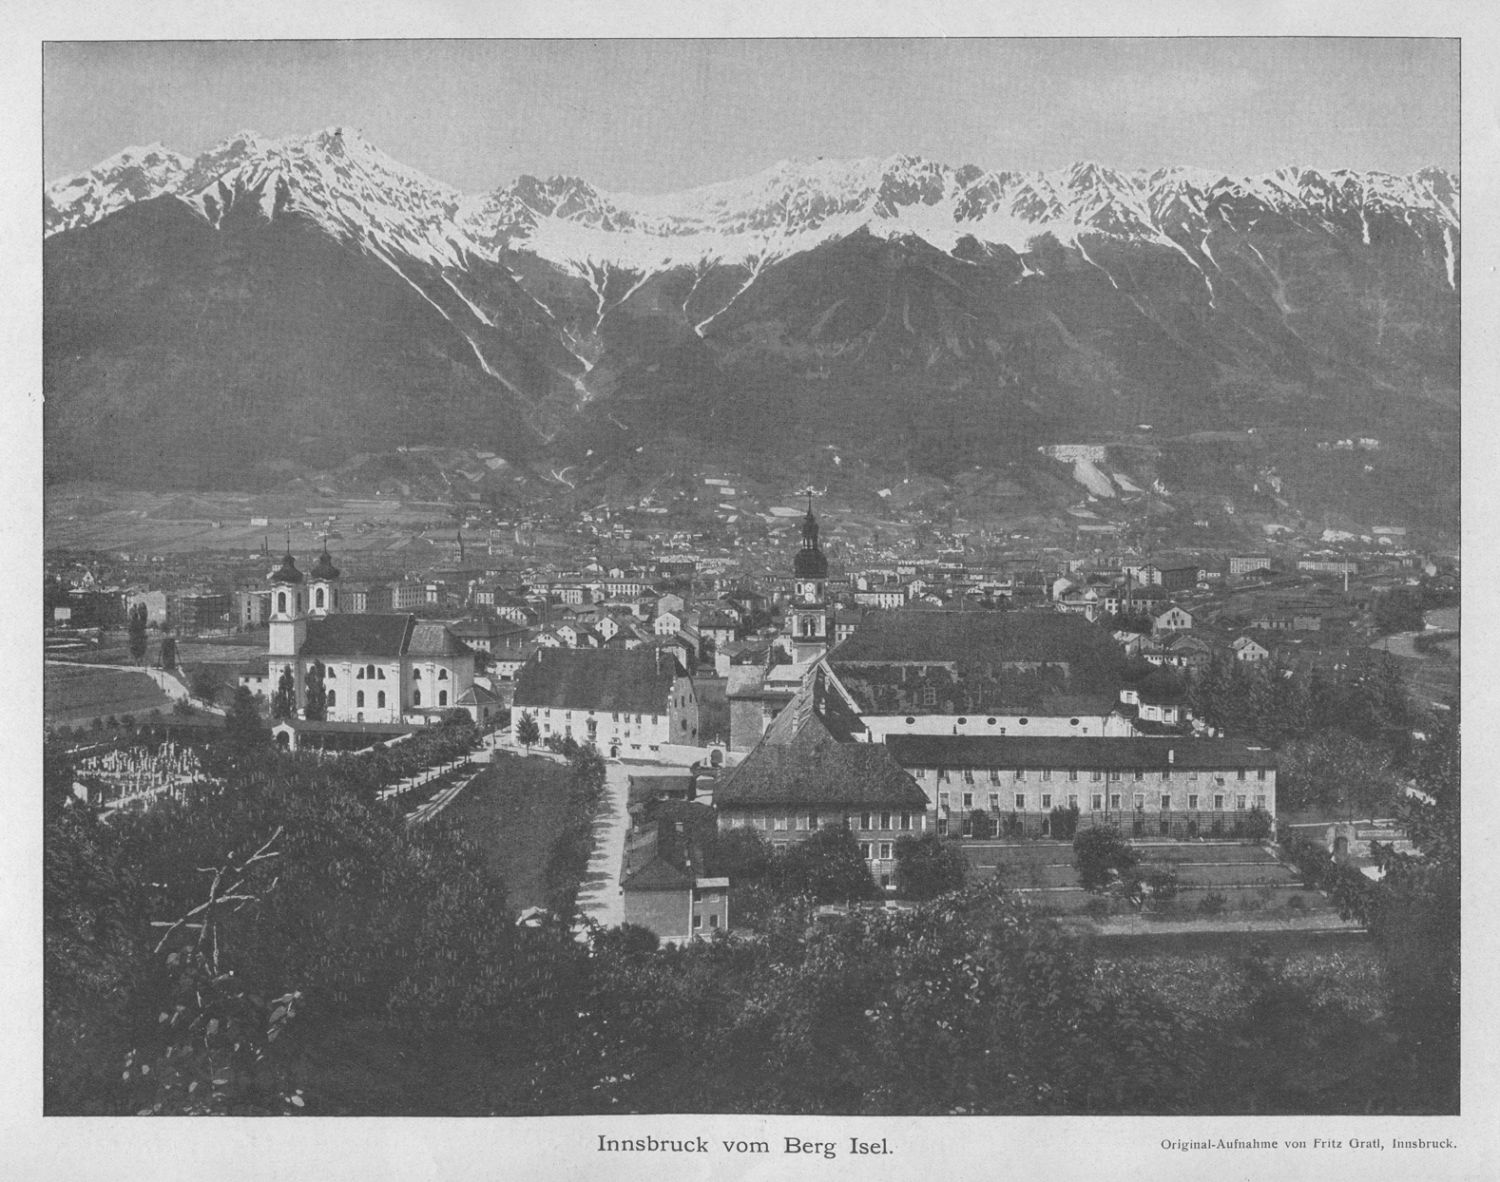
[442, 675]
[318, 601]
[369, 670]
[333, 698]
[442, 697]
[281, 602]
[416, 697]
[416, 675]
[380, 698]
[359, 698]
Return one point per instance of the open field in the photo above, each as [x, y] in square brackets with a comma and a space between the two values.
[514, 809]
[74, 695]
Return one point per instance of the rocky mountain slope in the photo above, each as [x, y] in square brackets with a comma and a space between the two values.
[271, 304]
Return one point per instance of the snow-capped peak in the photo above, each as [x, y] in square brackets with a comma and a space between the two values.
[342, 181]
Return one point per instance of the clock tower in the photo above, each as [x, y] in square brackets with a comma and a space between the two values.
[808, 614]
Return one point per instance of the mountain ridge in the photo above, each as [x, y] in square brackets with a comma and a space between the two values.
[892, 307]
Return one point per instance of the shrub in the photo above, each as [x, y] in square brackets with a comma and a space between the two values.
[1212, 903]
[1161, 885]
[1101, 856]
[1063, 823]
[1257, 826]
[1296, 903]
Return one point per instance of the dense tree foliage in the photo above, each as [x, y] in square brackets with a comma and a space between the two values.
[136, 632]
[167, 658]
[527, 731]
[825, 867]
[1103, 858]
[289, 944]
[929, 866]
[284, 700]
[1337, 773]
[1367, 698]
[315, 694]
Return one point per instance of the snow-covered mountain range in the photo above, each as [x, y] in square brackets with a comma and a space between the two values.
[352, 188]
[273, 303]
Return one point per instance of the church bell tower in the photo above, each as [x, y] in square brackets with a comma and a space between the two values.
[288, 608]
[323, 586]
[808, 615]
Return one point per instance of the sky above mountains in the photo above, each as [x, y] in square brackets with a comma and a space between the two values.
[648, 116]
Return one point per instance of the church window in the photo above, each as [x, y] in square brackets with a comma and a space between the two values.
[370, 671]
[359, 698]
[442, 697]
[380, 698]
[442, 675]
[329, 673]
[359, 674]
[333, 698]
[416, 675]
[380, 673]
[281, 601]
[318, 597]
[416, 698]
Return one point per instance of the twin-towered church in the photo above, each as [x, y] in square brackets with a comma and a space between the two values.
[377, 668]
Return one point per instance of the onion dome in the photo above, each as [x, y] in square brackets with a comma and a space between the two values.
[811, 562]
[287, 572]
[324, 568]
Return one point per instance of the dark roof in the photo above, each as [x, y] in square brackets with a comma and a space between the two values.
[799, 762]
[358, 634]
[1010, 751]
[287, 572]
[973, 662]
[431, 639]
[324, 568]
[614, 679]
[658, 875]
[970, 636]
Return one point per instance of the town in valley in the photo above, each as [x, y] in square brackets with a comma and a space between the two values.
[871, 637]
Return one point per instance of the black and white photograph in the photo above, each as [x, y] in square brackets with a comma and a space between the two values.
[775, 596]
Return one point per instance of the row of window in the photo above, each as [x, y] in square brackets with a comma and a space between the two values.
[1096, 801]
[870, 822]
[946, 774]
[374, 673]
[359, 698]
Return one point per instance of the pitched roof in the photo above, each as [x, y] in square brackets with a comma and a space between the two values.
[971, 637]
[798, 762]
[633, 680]
[1010, 751]
[358, 634]
[658, 875]
[432, 639]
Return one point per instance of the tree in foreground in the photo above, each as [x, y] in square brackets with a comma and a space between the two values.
[826, 867]
[284, 700]
[1103, 857]
[243, 729]
[204, 687]
[528, 734]
[167, 658]
[315, 701]
[137, 632]
[929, 866]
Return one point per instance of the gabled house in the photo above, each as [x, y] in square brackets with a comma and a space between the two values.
[623, 702]
[807, 772]
[1171, 619]
[1248, 650]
